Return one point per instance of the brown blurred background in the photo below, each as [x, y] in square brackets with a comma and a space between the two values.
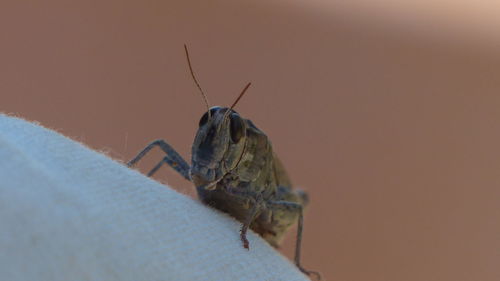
[385, 112]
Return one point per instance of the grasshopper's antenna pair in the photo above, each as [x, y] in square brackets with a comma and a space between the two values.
[201, 91]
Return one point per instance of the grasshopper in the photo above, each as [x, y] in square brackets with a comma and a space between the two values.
[235, 170]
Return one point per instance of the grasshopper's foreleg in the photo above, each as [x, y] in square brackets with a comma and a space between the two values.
[295, 208]
[172, 158]
[254, 211]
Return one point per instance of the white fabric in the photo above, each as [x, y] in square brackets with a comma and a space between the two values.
[70, 213]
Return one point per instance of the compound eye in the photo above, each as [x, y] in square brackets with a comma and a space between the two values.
[204, 118]
[237, 127]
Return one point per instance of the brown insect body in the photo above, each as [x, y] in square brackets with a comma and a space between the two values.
[237, 159]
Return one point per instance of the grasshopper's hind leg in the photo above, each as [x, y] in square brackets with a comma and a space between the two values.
[292, 207]
[172, 158]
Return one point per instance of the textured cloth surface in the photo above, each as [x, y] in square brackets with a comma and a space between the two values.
[70, 213]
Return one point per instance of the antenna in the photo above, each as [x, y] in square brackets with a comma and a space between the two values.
[196, 81]
[239, 97]
[237, 100]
